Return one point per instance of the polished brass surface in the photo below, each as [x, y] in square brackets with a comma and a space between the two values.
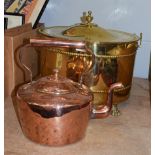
[90, 32]
[62, 51]
[114, 52]
[93, 34]
[112, 64]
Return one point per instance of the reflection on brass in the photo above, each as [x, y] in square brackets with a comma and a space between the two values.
[114, 52]
[59, 61]
[115, 91]
[73, 53]
[75, 66]
[115, 111]
[113, 63]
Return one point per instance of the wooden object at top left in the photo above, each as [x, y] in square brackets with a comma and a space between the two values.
[13, 74]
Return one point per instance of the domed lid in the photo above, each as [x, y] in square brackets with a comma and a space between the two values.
[87, 31]
[55, 93]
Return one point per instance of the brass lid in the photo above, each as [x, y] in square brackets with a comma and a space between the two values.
[90, 32]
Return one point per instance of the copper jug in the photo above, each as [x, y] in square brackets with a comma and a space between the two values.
[55, 110]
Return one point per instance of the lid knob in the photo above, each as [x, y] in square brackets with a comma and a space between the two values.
[83, 18]
[87, 19]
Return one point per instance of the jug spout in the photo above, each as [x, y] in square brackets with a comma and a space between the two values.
[104, 110]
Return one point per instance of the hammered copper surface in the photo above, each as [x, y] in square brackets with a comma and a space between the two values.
[53, 131]
[54, 122]
[128, 134]
[54, 110]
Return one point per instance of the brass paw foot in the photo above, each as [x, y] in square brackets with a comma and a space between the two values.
[115, 111]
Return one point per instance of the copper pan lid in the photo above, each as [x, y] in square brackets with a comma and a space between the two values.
[89, 32]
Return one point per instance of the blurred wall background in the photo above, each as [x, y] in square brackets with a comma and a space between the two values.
[132, 16]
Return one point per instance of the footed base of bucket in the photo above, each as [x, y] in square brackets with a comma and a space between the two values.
[115, 111]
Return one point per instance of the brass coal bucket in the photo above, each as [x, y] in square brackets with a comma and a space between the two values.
[114, 50]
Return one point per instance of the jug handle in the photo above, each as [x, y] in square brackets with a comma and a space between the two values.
[104, 110]
[18, 57]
